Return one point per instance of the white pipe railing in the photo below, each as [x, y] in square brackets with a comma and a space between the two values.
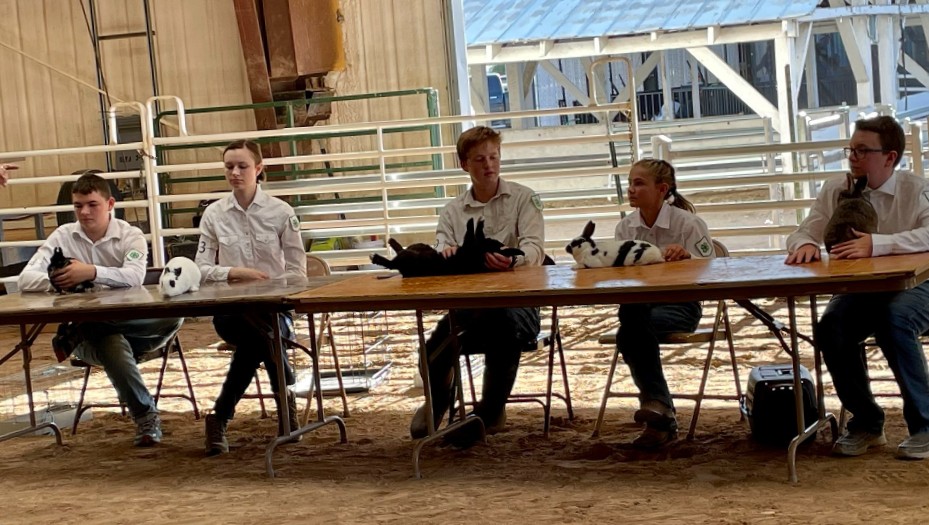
[577, 190]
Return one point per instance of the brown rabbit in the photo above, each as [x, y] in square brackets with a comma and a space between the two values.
[853, 211]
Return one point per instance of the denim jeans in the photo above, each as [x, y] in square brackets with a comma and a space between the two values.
[116, 345]
[896, 320]
[500, 334]
[252, 348]
[640, 326]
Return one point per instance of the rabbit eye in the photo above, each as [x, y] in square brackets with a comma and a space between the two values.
[171, 283]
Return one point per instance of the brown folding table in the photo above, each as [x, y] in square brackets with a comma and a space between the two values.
[735, 278]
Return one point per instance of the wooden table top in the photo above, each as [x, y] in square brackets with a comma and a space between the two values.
[722, 278]
[141, 302]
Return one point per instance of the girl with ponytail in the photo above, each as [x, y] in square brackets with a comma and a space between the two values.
[666, 219]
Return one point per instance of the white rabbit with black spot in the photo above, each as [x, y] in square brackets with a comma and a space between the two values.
[589, 253]
[180, 275]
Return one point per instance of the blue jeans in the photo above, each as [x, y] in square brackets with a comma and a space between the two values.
[896, 320]
[637, 340]
[116, 346]
[252, 348]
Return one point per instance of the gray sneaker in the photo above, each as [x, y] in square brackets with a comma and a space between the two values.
[914, 447]
[857, 442]
[148, 430]
[215, 435]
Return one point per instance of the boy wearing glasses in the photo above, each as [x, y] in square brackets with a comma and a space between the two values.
[895, 319]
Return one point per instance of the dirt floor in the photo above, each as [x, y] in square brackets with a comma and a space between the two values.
[519, 476]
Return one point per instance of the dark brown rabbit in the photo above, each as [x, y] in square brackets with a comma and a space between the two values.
[852, 212]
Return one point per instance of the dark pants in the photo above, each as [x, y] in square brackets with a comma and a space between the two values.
[640, 326]
[501, 335]
[896, 320]
[250, 335]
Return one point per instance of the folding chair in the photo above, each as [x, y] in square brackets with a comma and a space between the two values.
[721, 330]
[315, 267]
[172, 345]
[550, 339]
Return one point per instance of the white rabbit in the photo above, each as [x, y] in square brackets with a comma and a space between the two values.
[181, 275]
[588, 253]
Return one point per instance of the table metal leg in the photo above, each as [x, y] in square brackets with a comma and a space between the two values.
[27, 337]
[803, 431]
[288, 434]
[433, 433]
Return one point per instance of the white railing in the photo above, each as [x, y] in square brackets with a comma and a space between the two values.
[571, 168]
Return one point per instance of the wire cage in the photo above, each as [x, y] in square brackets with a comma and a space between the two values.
[362, 342]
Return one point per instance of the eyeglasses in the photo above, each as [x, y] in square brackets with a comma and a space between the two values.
[861, 152]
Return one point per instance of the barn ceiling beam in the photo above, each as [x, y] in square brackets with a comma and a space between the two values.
[620, 45]
[738, 85]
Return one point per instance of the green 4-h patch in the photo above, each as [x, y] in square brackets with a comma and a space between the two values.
[704, 247]
[294, 223]
[537, 201]
[134, 255]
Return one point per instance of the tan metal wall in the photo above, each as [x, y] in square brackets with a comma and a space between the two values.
[389, 45]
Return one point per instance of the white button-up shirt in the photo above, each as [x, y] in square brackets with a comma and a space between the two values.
[902, 206]
[120, 256]
[673, 226]
[264, 237]
[513, 216]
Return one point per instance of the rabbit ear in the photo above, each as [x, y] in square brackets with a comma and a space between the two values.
[850, 180]
[588, 230]
[395, 244]
[479, 233]
[469, 234]
[860, 184]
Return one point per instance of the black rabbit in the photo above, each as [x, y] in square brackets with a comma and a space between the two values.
[420, 260]
[852, 211]
[416, 260]
[58, 262]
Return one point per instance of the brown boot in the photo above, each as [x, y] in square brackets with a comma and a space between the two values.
[291, 415]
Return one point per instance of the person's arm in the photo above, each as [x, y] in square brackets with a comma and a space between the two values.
[531, 229]
[294, 252]
[5, 170]
[132, 270]
[910, 241]
[696, 239]
[208, 249]
[34, 277]
[812, 229]
[445, 232]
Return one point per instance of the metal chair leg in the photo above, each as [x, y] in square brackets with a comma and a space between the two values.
[607, 393]
[80, 402]
[190, 386]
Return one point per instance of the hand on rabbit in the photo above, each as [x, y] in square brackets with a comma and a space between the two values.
[675, 252]
[74, 274]
[498, 262]
[858, 248]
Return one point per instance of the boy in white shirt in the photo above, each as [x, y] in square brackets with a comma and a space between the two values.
[895, 319]
[108, 252]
